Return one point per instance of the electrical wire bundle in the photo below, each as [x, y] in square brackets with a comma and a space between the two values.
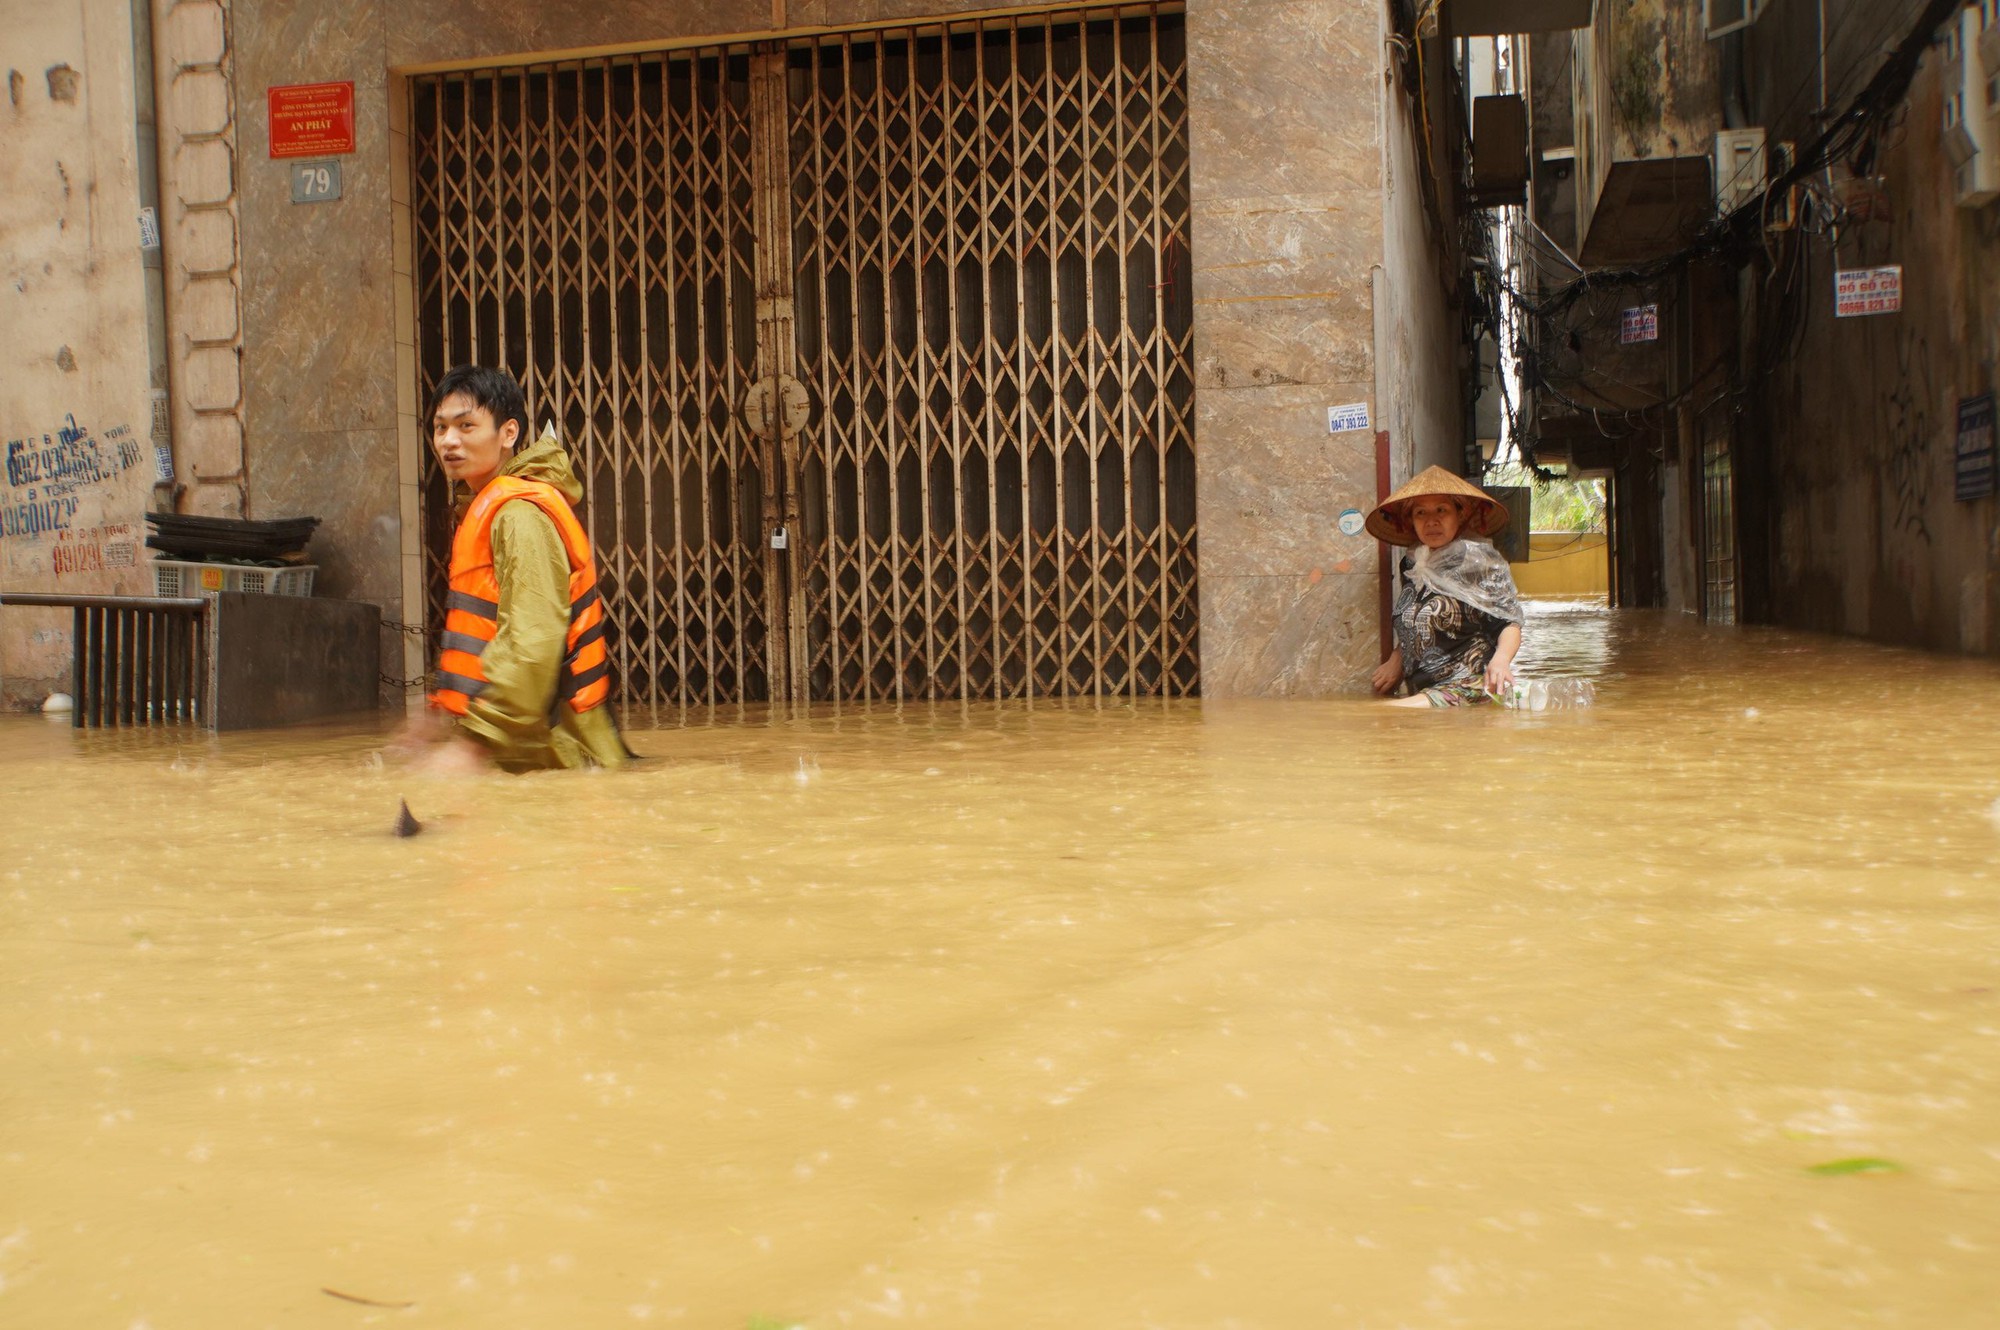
[1562, 313]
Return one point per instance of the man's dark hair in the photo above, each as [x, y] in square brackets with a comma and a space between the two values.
[493, 389]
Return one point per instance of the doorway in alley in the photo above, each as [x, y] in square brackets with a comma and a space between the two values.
[873, 349]
[1718, 532]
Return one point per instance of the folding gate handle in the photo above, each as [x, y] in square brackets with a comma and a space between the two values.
[782, 400]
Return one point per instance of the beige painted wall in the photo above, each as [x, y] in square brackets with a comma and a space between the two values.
[76, 410]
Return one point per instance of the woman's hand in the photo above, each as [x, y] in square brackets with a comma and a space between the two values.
[1500, 670]
[1389, 673]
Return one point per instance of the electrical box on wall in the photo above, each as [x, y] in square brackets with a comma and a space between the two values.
[1739, 167]
[1971, 117]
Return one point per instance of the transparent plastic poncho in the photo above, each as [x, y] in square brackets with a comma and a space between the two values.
[1469, 571]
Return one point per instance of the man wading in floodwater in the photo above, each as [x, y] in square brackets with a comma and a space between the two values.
[523, 679]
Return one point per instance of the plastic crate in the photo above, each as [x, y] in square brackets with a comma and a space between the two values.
[172, 578]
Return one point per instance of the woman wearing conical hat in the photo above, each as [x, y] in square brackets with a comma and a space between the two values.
[1457, 618]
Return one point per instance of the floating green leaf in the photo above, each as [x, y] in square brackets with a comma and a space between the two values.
[773, 1323]
[1840, 1168]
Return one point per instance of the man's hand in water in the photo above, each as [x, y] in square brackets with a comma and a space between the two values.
[1499, 677]
[421, 733]
[458, 756]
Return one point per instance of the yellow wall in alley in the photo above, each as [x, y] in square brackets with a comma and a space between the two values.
[1564, 563]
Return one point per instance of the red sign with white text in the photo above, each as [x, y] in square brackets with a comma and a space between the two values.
[311, 119]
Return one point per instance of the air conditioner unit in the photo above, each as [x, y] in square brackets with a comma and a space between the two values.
[1499, 151]
[1971, 122]
[1739, 167]
[1719, 18]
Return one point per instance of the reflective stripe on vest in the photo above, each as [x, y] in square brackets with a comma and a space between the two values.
[472, 609]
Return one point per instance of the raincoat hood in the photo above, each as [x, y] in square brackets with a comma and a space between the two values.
[545, 460]
[548, 461]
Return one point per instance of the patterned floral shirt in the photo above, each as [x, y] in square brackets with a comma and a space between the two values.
[1445, 640]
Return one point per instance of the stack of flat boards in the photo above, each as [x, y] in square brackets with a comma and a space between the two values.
[230, 540]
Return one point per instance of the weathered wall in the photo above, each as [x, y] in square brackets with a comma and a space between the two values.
[201, 144]
[1645, 84]
[1418, 345]
[76, 408]
[1865, 534]
[1550, 102]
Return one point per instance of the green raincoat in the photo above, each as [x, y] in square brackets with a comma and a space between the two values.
[512, 717]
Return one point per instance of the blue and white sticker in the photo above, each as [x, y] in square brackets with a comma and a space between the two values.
[1351, 522]
[1340, 419]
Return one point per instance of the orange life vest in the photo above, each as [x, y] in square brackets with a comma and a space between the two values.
[473, 606]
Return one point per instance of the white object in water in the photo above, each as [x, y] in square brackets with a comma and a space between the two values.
[59, 704]
[1549, 694]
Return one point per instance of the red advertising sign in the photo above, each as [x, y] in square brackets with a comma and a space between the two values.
[311, 119]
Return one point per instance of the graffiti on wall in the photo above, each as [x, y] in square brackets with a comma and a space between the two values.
[1906, 434]
[47, 476]
[94, 549]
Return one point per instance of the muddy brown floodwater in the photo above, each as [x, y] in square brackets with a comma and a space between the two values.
[1681, 1011]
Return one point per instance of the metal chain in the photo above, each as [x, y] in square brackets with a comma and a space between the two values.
[402, 685]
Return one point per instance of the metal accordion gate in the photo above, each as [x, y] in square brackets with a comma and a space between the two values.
[873, 349]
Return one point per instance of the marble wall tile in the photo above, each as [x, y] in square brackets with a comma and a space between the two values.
[1288, 636]
[1287, 231]
[409, 449]
[1284, 341]
[1284, 244]
[1272, 491]
[443, 32]
[318, 282]
[403, 654]
[348, 479]
[435, 33]
[1287, 95]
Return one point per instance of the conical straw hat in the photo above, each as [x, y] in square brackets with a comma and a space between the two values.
[1390, 521]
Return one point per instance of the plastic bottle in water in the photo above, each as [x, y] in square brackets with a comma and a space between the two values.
[1549, 694]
